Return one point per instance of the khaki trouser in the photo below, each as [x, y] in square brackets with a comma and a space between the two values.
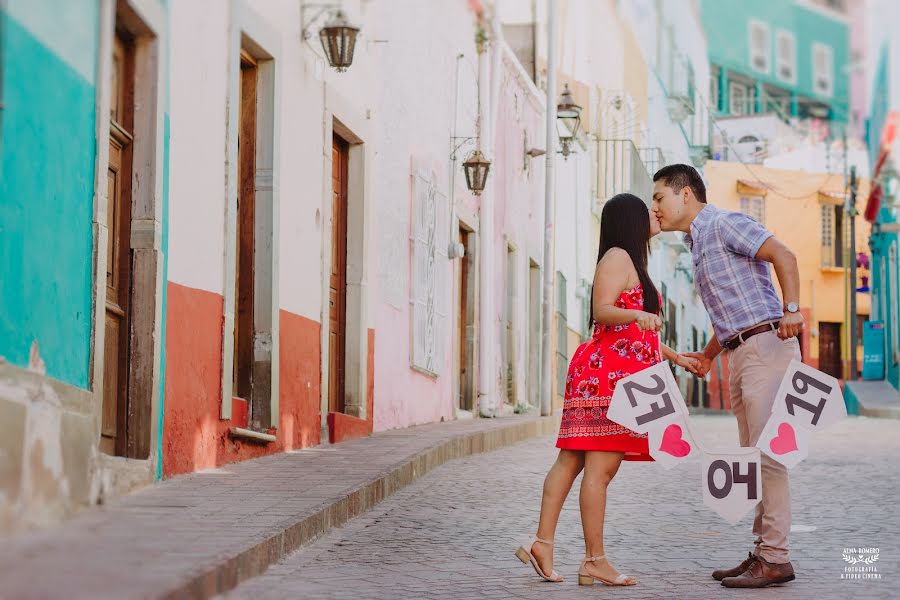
[756, 369]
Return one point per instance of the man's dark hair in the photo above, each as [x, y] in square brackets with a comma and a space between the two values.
[680, 176]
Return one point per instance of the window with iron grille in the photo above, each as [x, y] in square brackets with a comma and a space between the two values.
[429, 284]
[755, 208]
[832, 232]
[738, 99]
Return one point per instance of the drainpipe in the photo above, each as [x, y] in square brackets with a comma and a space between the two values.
[549, 210]
[486, 368]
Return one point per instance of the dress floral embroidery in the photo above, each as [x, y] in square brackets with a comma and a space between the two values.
[613, 352]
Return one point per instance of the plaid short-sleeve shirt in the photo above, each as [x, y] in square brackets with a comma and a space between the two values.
[735, 286]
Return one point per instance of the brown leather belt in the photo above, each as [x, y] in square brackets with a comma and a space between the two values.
[746, 335]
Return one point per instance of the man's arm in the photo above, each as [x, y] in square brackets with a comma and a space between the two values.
[705, 358]
[788, 274]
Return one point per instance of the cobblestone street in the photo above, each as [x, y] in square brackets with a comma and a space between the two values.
[453, 533]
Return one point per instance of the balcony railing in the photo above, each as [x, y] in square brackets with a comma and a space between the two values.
[620, 169]
[653, 160]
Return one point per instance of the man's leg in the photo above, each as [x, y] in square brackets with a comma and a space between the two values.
[767, 361]
[736, 362]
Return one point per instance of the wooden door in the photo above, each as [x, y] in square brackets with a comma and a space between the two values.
[337, 298]
[118, 253]
[830, 349]
[510, 339]
[242, 366]
[463, 321]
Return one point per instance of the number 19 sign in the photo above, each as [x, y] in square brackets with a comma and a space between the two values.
[807, 401]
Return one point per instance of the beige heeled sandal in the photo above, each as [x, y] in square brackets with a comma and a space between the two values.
[588, 579]
[524, 554]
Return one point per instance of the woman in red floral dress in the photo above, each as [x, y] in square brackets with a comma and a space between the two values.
[625, 316]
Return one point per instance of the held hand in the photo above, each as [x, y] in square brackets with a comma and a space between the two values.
[791, 325]
[688, 363]
[646, 321]
[702, 365]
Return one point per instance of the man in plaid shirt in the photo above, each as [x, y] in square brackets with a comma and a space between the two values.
[731, 254]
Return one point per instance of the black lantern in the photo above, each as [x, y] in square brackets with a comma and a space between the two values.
[338, 41]
[476, 168]
[568, 114]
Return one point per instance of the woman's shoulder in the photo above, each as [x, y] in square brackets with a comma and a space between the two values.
[616, 255]
[616, 258]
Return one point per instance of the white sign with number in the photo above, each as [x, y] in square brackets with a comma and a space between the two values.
[809, 397]
[807, 401]
[732, 482]
[647, 399]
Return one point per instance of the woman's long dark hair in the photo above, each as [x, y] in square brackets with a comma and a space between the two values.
[625, 224]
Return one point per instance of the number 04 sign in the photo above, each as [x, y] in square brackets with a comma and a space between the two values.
[650, 402]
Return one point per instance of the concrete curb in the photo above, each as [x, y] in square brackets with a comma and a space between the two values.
[231, 571]
[880, 413]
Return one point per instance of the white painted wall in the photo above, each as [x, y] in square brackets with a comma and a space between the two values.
[197, 144]
[398, 98]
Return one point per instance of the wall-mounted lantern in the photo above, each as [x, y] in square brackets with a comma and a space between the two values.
[338, 41]
[476, 168]
[338, 36]
[568, 114]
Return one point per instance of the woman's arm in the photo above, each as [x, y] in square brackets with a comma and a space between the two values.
[610, 280]
[667, 353]
[685, 362]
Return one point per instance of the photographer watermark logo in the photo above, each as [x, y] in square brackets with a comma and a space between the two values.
[861, 563]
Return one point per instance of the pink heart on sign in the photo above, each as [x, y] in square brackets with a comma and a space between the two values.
[785, 441]
[672, 442]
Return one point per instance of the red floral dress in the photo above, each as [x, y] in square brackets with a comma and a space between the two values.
[614, 352]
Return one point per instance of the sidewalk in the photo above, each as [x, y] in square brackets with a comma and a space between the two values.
[202, 534]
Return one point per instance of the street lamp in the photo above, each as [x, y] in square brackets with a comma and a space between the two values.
[338, 39]
[569, 115]
[476, 168]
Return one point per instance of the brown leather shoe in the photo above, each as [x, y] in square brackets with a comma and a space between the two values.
[761, 574]
[721, 574]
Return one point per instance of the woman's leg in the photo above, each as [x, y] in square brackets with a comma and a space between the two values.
[599, 470]
[559, 480]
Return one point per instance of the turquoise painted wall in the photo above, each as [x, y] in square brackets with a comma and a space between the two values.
[880, 106]
[46, 184]
[726, 23]
[880, 245]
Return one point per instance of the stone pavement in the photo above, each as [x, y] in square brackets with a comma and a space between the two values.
[452, 534]
[202, 534]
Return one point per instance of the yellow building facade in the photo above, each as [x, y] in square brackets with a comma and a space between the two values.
[805, 211]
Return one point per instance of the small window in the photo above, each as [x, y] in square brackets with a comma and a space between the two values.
[786, 64]
[755, 208]
[832, 232]
[737, 99]
[747, 139]
[823, 69]
[759, 47]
